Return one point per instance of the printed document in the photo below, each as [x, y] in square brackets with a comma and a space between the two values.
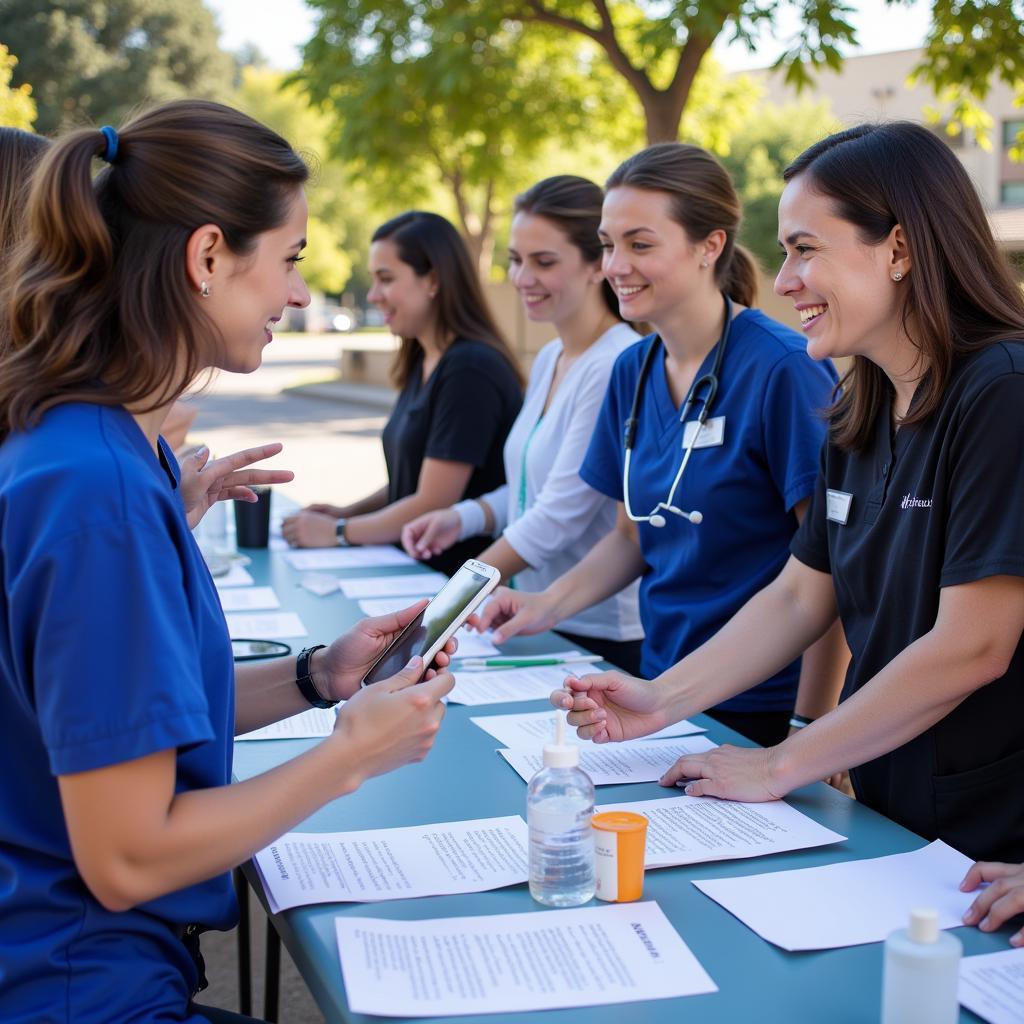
[992, 986]
[608, 764]
[691, 829]
[847, 904]
[506, 685]
[265, 625]
[246, 599]
[372, 556]
[530, 731]
[236, 576]
[312, 724]
[420, 584]
[554, 959]
[394, 863]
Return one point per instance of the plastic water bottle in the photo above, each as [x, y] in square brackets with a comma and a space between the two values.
[919, 979]
[559, 806]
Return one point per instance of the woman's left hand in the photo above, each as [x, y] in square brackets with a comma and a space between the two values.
[310, 530]
[345, 663]
[203, 483]
[732, 773]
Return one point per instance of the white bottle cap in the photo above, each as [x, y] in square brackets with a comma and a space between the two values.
[561, 754]
[924, 925]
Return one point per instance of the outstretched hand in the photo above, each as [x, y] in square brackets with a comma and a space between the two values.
[611, 706]
[728, 772]
[203, 483]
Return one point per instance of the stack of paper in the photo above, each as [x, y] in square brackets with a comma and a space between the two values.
[850, 903]
[992, 986]
[371, 556]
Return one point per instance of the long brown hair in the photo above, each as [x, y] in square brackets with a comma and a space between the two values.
[959, 295]
[19, 153]
[98, 301]
[427, 242]
[703, 199]
[573, 205]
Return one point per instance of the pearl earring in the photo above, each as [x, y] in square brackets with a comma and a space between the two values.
[204, 290]
[897, 276]
[705, 264]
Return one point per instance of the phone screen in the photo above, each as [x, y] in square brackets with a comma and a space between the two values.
[422, 633]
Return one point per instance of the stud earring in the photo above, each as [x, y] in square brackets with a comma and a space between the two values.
[705, 264]
[897, 276]
[204, 290]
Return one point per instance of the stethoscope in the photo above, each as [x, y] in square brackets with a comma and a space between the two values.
[703, 390]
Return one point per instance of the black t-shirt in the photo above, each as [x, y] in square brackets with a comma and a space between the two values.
[934, 505]
[461, 413]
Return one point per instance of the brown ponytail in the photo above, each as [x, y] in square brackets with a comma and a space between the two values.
[97, 298]
[703, 199]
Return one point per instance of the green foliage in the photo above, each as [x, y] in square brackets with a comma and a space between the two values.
[770, 139]
[17, 108]
[93, 61]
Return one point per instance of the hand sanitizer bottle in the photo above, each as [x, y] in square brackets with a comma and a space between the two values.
[919, 979]
[559, 806]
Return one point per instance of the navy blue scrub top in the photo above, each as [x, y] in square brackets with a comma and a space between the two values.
[461, 413]
[113, 646]
[934, 505]
[771, 395]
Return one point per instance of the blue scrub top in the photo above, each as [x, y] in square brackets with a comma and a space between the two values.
[771, 395]
[112, 646]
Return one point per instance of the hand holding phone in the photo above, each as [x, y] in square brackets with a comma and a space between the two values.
[430, 630]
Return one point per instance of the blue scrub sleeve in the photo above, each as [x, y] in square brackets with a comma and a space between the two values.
[465, 418]
[985, 528]
[602, 465]
[797, 393]
[104, 614]
[810, 543]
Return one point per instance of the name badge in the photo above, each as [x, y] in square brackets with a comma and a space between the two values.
[837, 506]
[711, 435]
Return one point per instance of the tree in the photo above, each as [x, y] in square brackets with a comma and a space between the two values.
[93, 61]
[17, 108]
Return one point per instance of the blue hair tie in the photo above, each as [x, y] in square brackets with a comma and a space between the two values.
[110, 153]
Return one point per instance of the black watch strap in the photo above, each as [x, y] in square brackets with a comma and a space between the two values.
[304, 680]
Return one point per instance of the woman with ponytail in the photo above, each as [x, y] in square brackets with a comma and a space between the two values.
[119, 698]
[705, 513]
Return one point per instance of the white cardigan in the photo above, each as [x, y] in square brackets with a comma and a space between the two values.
[563, 518]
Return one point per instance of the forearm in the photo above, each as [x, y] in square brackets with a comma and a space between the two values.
[364, 506]
[611, 564]
[504, 558]
[265, 692]
[915, 690]
[385, 526]
[822, 673]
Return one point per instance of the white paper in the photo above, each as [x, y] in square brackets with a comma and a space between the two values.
[992, 986]
[382, 605]
[314, 723]
[394, 863]
[553, 959]
[372, 556]
[420, 584]
[240, 599]
[692, 829]
[319, 583]
[531, 730]
[847, 904]
[265, 625]
[504, 685]
[236, 576]
[609, 764]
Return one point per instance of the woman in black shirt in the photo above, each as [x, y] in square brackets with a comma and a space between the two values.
[460, 391]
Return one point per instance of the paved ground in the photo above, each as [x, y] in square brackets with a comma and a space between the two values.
[334, 448]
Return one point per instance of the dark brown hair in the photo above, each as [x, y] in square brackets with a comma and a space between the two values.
[703, 200]
[573, 205]
[427, 242]
[98, 300]
[19, 153]
[959, 295]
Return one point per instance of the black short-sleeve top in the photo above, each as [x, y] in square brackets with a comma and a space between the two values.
[934, 505]
[461, 413]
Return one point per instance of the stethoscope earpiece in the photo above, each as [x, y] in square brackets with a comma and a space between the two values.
[657, 520]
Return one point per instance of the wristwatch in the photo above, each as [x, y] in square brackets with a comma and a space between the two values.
[304, 679]
[339, 532]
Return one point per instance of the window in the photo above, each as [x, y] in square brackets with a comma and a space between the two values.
[1011, 129]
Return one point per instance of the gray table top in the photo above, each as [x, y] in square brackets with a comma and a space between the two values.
[463, 778]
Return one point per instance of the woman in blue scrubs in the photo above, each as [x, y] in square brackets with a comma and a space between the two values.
[914, 537]
[118, 694]
[705, 541]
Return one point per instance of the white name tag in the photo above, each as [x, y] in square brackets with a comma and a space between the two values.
[711, 435]
[837, 506]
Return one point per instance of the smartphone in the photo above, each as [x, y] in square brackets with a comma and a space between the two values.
[430, 630]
